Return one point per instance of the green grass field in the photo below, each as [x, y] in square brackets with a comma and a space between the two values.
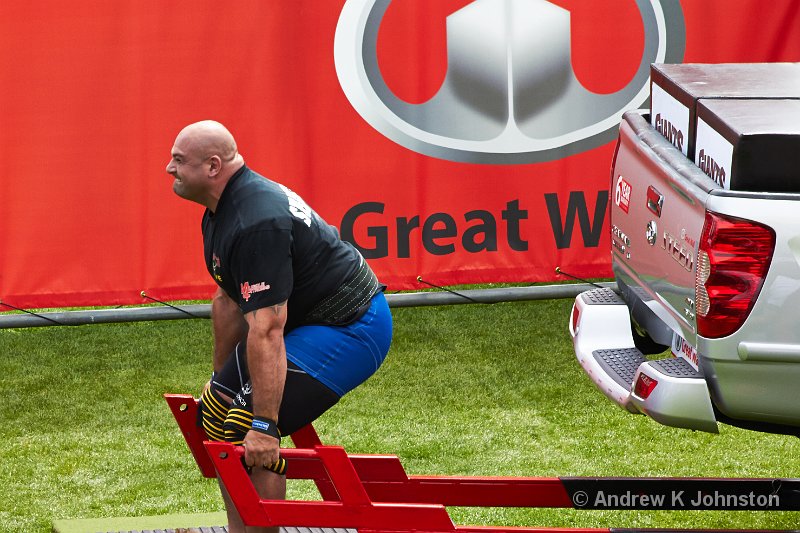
[466, 390]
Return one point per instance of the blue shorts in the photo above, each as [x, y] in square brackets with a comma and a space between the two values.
[343, 357]
[324, 363]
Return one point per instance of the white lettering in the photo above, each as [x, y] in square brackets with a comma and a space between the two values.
[752, 500]
[629, 499]
[298, 207]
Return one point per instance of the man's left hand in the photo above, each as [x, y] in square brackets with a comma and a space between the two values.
[260, 449]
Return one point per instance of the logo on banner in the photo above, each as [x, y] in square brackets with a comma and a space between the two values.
[510, 94]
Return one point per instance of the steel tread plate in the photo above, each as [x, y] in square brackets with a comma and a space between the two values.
[604, 296]
[676, 367]
[620, 363]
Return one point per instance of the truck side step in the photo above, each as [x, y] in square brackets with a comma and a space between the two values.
[620, 364]
[675, 395]
[676, 368]
[601, 332]
[668, 390]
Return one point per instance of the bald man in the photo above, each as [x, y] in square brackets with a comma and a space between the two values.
[299, 318]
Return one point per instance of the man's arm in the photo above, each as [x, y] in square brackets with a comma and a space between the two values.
[228, 325]
[266, 360]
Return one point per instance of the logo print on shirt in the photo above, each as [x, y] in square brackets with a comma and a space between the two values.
[248, 289]
[298, 207]
[216, 266]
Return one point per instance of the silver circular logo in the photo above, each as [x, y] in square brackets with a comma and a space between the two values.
[652, 232]
[510, 94]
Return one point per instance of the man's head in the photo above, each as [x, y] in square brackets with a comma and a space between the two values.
[204, 157]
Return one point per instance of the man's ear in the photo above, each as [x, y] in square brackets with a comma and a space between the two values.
[215, 165]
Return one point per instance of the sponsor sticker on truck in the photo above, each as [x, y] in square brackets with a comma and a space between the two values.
[681, 348]
[622, 194]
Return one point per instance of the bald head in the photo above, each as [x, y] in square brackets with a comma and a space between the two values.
[208, 138]
[204, 158]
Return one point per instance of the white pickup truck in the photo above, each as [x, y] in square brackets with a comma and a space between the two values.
[704, 326]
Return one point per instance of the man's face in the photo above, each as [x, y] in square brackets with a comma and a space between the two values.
[190, 171]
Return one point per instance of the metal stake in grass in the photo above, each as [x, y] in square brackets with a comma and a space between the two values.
[147, 297]
[473, 300]
[54, 321]
[559, 271]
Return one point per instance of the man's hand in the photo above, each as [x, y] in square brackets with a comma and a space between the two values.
[260, 449]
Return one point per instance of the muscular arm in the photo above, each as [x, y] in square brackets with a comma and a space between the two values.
[266, 358]
[228, 326]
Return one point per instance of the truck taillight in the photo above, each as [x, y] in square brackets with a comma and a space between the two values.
[576, 313]
[732, 261]
[644, 386]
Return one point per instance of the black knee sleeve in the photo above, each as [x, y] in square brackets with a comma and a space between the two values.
[279, 467]
[213, 411]
[237, 424]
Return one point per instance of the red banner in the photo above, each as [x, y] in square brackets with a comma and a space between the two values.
[461, 140]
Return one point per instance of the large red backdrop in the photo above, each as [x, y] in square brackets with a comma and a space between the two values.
[93, 93]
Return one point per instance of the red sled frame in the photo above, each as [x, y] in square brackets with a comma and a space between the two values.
[373, 493]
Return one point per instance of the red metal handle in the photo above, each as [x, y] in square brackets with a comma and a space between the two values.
[354, 509]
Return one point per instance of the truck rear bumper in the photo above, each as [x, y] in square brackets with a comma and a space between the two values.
[668, 390]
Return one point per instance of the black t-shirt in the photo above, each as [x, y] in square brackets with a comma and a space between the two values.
[264, 245]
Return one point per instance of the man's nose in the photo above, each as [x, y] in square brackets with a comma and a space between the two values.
[170, 167]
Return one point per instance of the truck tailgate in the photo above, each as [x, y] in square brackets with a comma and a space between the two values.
[657, 216]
